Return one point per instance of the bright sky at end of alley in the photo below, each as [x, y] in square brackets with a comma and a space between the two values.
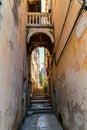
[42, 5]
[41, 51]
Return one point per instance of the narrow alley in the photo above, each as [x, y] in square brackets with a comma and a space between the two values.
[41, 115]
[43, 64]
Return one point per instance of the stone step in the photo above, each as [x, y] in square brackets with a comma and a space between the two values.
[44, 94]
[40, 101]
[40, 97]
[42, 111]
[40, 106]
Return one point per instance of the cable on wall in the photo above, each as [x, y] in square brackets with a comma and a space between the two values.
[83, 7]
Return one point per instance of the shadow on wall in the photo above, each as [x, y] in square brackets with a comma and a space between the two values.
[60, 119]
[15, 10]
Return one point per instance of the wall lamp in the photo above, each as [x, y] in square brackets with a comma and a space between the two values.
[0, 2]
[85, 5]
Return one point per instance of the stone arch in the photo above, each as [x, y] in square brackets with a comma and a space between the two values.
[48, 32]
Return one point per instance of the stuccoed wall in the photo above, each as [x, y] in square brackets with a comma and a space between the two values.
[70, 75]
[13, 64]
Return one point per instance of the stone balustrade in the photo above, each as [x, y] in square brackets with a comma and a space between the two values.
[39, 19]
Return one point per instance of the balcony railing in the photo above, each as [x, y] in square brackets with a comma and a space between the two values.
[39, 19]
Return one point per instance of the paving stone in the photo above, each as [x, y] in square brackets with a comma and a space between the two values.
[41, 122]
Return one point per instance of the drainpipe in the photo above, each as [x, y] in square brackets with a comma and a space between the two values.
[84, 7]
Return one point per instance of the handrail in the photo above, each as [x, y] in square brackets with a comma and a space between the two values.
[39, 19]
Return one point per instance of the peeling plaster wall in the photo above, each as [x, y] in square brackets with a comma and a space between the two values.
[13, 64]
[70, 75]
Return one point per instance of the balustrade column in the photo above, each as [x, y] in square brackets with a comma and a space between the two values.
[29, 19]
[36, 19]
[46, 19]
[42, 19]
[39, 19]
[33, 19]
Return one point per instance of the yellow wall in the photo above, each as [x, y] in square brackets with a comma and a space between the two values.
[13, 64]
[70, 74]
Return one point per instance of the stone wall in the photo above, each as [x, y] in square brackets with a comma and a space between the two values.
[13, 64]
[70, 77]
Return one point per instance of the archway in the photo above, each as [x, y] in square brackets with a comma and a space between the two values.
[38, 39]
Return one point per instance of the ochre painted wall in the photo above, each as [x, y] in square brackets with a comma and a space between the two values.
[70, 74]
[13, 64]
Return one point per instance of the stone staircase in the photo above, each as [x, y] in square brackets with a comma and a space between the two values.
[41, 104]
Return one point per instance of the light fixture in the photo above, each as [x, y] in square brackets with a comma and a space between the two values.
[85, 4]
[0, 2]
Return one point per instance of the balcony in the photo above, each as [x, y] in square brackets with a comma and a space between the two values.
[38, 20]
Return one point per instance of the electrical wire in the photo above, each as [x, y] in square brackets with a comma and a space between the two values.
[79, 13]
[63, 25]
[81, 2]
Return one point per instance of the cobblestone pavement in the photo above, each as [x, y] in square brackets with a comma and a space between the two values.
[41, 122]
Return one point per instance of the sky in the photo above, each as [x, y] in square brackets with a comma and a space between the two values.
[43, 5]
[41, 51]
